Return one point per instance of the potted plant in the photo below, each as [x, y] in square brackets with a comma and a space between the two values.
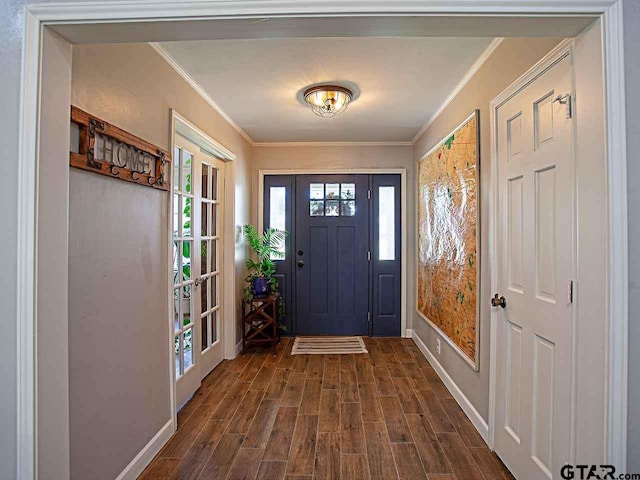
[267, 248]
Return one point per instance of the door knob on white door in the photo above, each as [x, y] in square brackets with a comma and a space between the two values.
[498, 301]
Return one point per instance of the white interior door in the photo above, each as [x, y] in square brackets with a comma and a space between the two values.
[198, 186]
[535, 270]
[210, 213]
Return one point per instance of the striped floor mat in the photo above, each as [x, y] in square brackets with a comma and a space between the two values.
[328, 345]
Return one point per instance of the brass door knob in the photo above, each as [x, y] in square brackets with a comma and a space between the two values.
[498, 301]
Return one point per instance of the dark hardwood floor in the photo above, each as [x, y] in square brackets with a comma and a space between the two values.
[381, 416]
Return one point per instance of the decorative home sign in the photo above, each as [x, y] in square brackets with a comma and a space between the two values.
[108, 150]
[448, 222]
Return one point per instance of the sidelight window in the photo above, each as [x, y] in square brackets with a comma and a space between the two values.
[278, 216]
[386, 223]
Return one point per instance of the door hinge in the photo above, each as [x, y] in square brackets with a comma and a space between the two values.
[570, 292]
[369, 255]
[369, 317]
[368, 194]
[565, 100]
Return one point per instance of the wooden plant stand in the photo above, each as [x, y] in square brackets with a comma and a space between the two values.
[260, 322]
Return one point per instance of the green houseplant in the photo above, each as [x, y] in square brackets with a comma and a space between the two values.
[266, 248]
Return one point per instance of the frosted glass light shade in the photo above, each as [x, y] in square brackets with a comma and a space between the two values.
[328, 100]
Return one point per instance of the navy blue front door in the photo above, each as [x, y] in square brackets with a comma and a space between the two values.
[331, 254]
[340, 273]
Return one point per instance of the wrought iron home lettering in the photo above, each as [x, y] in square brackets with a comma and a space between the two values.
[106, 149]
[122, 155]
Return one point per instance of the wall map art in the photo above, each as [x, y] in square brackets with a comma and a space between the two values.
[448, 222]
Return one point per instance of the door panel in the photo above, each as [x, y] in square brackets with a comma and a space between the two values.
[536, 244]
[332, 244]
[386, 255]
[197, 244]
[211, 214]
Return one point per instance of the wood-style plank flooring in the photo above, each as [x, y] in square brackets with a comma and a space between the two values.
[381, 416]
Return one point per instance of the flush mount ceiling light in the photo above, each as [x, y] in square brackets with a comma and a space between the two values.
[328, 100]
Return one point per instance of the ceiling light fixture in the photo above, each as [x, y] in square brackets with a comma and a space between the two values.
[327, 100]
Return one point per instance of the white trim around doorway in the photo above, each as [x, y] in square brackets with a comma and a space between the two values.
[37, 16]
[357, 171]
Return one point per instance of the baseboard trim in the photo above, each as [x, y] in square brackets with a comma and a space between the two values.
[463, 401]
[408, 333]
[151, 449]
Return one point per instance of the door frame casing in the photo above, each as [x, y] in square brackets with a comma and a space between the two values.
[38, 16]
[228, 321]
[356, 171]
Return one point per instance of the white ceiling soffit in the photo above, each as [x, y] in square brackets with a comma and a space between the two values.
[400, 83]
[352, 26]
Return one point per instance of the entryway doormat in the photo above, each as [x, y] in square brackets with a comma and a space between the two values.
[328, 345]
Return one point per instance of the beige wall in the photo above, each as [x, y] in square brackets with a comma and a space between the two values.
[119, 377]
[510, 60]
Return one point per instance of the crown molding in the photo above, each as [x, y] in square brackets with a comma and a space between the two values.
[199, 90]
[473, 69]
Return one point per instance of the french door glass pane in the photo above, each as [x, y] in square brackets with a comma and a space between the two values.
[176, 354]
[204, 296]
[187, 248]
[204, 219]
[177, 248]
[186, 216]
[187, 348]
[214, 326]
[176, 310]
[206, 193]
[213, 256]
[186, 309]
[187, 161]
[176, 169]
[214, 220]
[204, 325]
[386, 223]
[203, 257]
[214, 184]
[176, 215]
[213, 290]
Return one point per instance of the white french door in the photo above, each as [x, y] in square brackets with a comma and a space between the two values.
[535, 270]
[198, 187]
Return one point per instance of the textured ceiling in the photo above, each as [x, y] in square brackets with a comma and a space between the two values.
[399, 83]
